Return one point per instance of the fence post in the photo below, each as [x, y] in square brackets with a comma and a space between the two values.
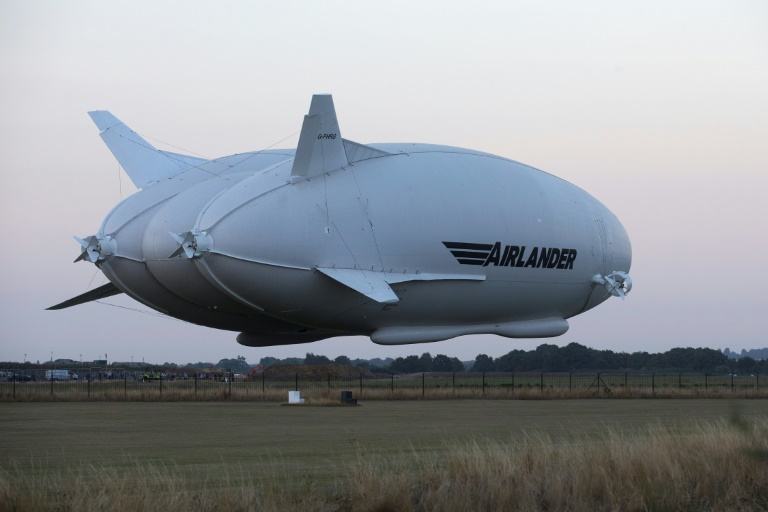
[483, 383]
[393, 384]
[125, 384]
[361, 383]
[541, 383]
[231, 376]
[570, 382]
[262, 381]
[51, 382]
[453, 383]
[513, 382]
[297, 382]
[757, 382]
[329, 384]
[161, 385]
[679, 381]
[423, 384]
[88, 380]
[14, 386]
[653, 383]
[626, 386]
[195, 384]
[705, 381]
[731, 383]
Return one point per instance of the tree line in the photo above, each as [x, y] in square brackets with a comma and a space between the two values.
[544, 358]
[755, 353]
[576, 357]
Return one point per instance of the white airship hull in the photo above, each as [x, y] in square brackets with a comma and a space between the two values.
[406, 243]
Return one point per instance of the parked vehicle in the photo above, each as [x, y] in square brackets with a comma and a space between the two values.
[57, 375]
[19, 377]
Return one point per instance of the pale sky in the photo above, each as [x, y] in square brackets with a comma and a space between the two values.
[658, 109]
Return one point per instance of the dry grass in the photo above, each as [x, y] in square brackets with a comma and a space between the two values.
[142, 487]
[716, 466]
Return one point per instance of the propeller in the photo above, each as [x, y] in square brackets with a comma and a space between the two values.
[192, 244]
[96, 248]
[617, 283]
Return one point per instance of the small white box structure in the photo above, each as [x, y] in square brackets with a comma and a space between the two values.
[294, 397]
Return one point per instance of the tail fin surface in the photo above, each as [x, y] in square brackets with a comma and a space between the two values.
[320, 148]
[144, 163]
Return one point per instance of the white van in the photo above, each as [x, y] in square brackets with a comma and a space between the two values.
[57, 375]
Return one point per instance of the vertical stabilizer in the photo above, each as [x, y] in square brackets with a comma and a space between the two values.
[320, 148]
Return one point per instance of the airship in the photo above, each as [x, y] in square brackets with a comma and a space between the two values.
[400, 242]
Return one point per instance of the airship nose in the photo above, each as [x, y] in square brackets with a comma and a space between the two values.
[622, 248]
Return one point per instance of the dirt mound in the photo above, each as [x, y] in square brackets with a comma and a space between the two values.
[316, 372]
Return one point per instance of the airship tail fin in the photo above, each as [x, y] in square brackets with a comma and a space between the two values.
[144, 163]
[321, 148]
[101, 292]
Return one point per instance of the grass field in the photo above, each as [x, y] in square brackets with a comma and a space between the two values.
[72, 455]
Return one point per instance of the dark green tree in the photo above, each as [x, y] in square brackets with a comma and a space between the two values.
[483, 363]
[441, 363]
[316, 359]
[343, 361]
[746, 365]
[456, 365]
[268, 361]
[426, 362]
[409, 364]
[238, 365]
[510, 362]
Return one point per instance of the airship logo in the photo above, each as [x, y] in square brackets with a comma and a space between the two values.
[512, 255]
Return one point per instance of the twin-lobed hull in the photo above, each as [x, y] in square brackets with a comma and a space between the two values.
[408, 243]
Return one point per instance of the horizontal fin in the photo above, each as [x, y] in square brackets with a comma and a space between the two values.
[375, 285]
[371, 284]
[358, 152]
[101, 292]
[143, 163]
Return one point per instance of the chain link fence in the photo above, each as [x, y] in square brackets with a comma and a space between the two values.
[124, 384]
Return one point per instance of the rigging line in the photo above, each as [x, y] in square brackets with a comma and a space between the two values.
[92, 278]
[352, 254]
[232, 166]
[265, 149]
[205, 170]
[176, 147]
[151, 313]
[368, 218]
[169, 157]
